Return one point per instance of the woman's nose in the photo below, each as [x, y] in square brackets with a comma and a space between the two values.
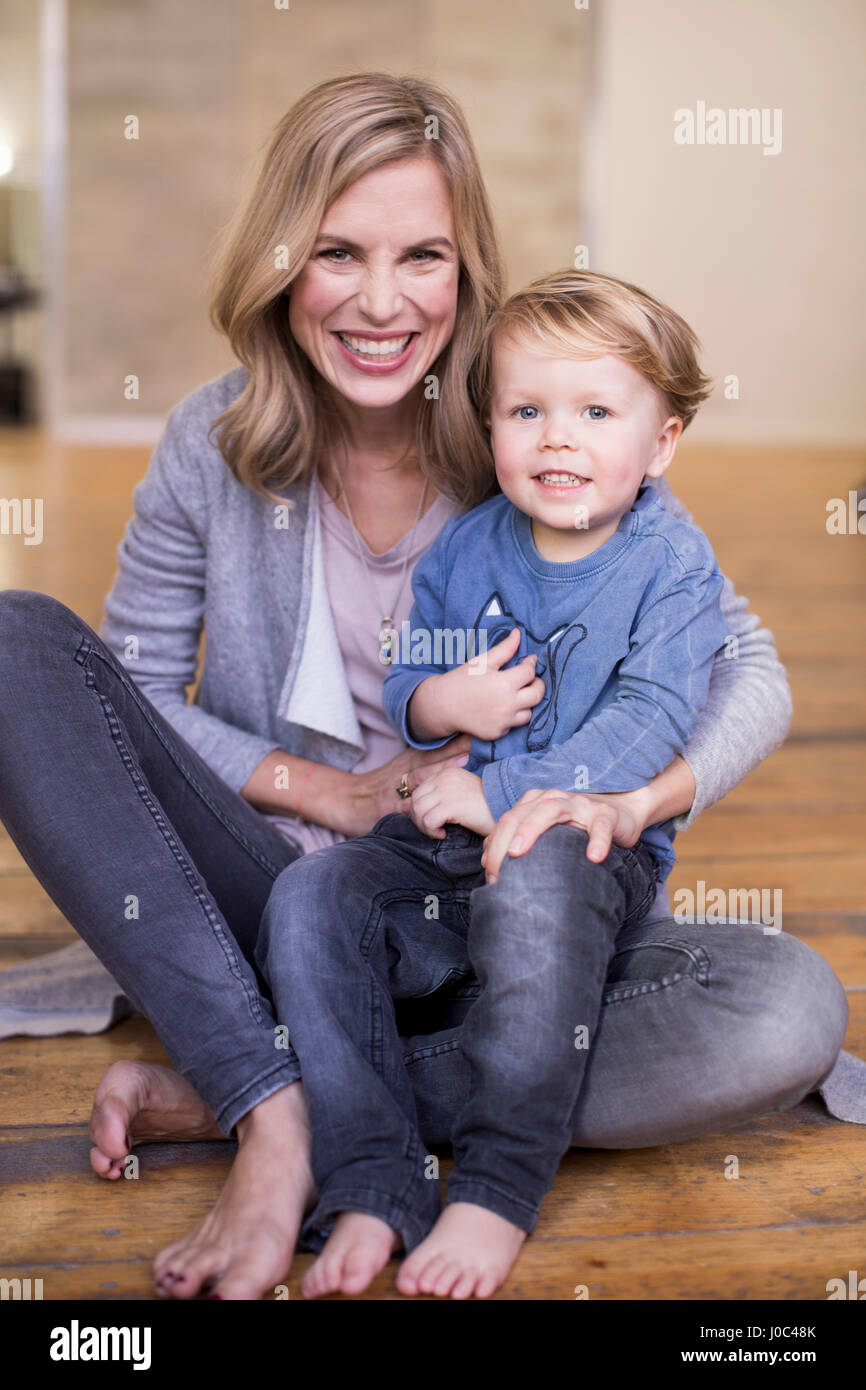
[379, 296]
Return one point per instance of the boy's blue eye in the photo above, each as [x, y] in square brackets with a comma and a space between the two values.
[600, 408]
[522, 408]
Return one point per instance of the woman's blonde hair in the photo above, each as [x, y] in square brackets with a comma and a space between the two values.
[274, 432]
[577, 313]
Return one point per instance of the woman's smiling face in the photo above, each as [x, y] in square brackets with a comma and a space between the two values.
[375, 303]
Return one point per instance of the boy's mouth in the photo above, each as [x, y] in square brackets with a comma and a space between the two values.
[559, 480]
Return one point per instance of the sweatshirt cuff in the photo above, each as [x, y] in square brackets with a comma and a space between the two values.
[237, 770]
[404, 724]
[492, 784]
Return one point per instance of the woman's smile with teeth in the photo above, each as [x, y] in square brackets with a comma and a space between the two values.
[378, 349]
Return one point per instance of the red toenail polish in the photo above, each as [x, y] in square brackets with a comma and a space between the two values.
[214, 1295]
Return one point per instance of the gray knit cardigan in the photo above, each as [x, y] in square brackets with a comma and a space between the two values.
[201, 548]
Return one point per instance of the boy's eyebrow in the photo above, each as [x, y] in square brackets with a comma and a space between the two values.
[413, 246]
[591, 392]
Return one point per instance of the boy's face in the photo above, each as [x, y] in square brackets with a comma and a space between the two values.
[573, 440]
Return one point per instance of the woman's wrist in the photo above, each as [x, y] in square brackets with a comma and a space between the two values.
[328, 798]
[284, 785]
[670, 793]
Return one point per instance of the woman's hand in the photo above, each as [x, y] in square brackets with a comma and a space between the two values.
[611, 817]
[372, 795]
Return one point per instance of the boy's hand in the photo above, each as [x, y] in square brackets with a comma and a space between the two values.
[450, 795]
[478, 697]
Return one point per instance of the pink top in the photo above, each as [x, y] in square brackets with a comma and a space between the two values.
[355, 606]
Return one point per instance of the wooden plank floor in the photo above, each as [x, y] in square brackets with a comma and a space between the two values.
[643, 1224]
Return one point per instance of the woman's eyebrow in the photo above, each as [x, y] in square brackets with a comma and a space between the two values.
[414, 246]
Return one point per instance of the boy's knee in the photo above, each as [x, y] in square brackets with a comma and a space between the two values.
[558, 855]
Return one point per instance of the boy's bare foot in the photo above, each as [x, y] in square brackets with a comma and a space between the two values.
[139, 1102]
[357, 1248]
[469, 1252]
[244, 1247]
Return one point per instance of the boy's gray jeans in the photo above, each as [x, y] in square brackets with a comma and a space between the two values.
[700, 1028]
[395, 915]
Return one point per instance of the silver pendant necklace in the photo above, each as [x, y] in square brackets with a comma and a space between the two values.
[386, 624]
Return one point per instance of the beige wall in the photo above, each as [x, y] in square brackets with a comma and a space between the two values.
[19, 189]
[208, 79]
[762, 254]
[573, 113]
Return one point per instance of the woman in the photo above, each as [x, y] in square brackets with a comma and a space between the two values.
[354, 288]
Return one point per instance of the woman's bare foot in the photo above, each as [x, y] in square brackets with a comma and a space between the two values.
[357, 1248]
[140, 1102]
[244, 1247]
[469, 1251]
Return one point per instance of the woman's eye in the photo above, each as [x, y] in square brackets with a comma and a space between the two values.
[527, 412]
[333, 251]
[425, 256]
[601, 409]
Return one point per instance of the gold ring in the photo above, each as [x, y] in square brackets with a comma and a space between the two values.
[403, 790]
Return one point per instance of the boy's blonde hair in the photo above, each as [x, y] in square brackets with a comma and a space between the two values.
[576, 313]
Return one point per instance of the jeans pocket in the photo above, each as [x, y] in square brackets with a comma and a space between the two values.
[644, 871]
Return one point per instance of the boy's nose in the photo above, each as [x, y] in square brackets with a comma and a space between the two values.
[562, 442]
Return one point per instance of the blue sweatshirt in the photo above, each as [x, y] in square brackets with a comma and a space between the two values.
[625, 640]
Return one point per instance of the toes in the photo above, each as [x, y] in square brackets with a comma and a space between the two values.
[243, 1280]
[203, 1270]
[182, 1272]
[359, 1268]
[108, 1127]
[430, 1273]
[465, 1285]
[324, 1276]
[100, 1162]
[488, 1284]
[163, 1262]
[447, 1278]
[408, 1274]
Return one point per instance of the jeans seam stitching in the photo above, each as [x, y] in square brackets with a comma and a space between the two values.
[377, 1031]
[422, 1054]
[114, 728]
[620, 994]
[82, 655]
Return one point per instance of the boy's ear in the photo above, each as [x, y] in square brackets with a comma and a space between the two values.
[666, 446]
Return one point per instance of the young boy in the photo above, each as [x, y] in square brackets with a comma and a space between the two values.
[594, 617]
